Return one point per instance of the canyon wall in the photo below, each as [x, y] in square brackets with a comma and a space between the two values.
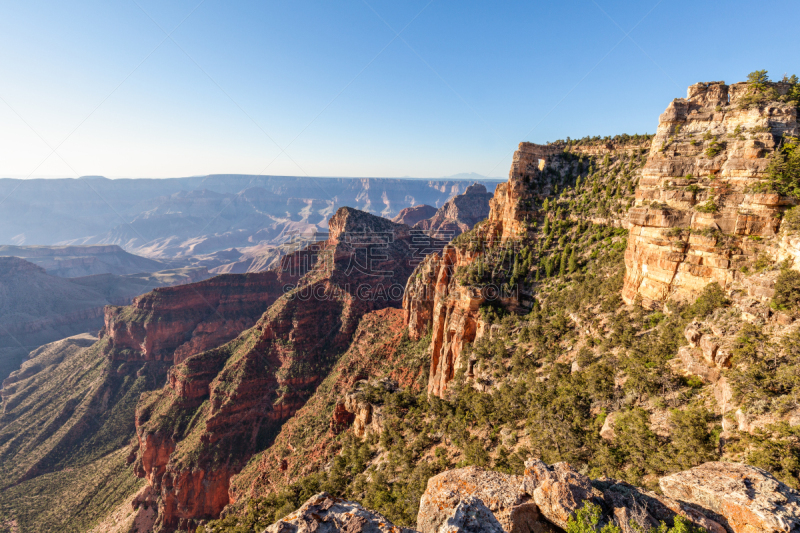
[438, 302]
[459, 214]
[173, 323]
[697, 219]
[435, 303]
[223, 405]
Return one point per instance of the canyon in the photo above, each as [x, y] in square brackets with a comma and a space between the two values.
[581, 346]
[39, 307]
[204, 221]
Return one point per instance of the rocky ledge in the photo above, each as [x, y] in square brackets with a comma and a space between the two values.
[717, 497]
[698, 217]
[325, 514]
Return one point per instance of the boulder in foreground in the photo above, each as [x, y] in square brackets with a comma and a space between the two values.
[324, 513]
[745, 499]
[502, 494]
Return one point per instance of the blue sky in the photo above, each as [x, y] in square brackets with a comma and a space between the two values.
[328, 88]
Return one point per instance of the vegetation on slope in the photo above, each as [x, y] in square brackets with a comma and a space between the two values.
[545, 384]
[64, 439]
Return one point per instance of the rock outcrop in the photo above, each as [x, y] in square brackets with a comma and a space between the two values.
[326, 514]
[411, 215]
[514, 202]
[173, 323]
[546, 497]
[470, 516]
[459, 214]
[718, 497]
[695, 204]
[234, 398]
[455, 492]
[744, 498]
[557, 490]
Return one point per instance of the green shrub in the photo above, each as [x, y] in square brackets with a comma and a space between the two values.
[708, 207]
[787, 292]
[586, 520]
[783, 172]
[791, 220]
[691, 437]
[714, 149]
[711, 298]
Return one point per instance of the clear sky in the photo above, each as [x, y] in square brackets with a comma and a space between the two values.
[158, 88]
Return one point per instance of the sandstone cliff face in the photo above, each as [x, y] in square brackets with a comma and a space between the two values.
[694, 204]
[435, 301]
[514, 202]
[170, 324]
[537, 171]
[459, 214]
[223, 405]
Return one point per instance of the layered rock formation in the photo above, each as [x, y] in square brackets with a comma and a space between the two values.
[38, 308]
[514, 202]
[435, 302]
[171, 324]
[411, 215]
[694, 204]
[233, 399]
[338, 405]
[459, 214]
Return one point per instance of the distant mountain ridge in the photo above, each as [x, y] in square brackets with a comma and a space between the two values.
[53, 211]
[193, 219]
[78, 261]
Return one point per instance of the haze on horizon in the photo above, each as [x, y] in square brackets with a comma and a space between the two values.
[364, 88]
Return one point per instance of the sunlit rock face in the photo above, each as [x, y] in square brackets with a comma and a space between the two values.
[695, 204]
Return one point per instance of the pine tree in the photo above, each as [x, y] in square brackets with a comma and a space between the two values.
[564, 260]
[546, 205]
[578, 183]
[573, 262]
[546, 224]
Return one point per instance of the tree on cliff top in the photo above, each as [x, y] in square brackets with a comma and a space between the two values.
[758, 79]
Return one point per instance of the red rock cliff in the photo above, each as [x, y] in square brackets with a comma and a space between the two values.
[221, 406]
[172, 323]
